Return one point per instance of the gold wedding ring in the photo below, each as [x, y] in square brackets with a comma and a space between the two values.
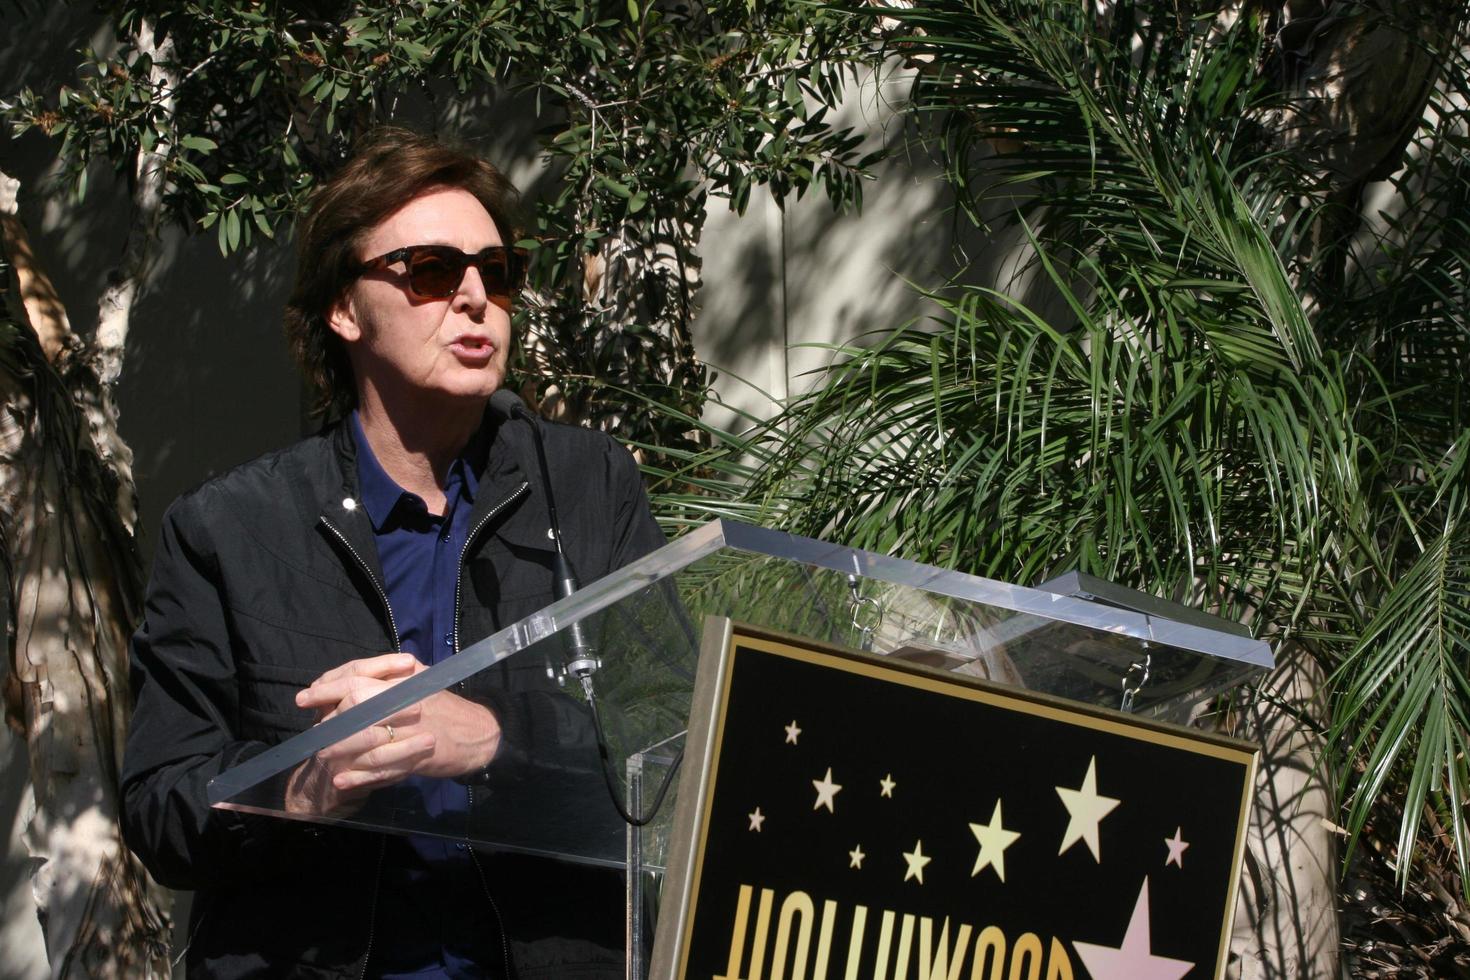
[391, 734]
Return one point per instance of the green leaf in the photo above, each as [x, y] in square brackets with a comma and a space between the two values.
[620, 189]
[791, 92]
[202, 144]
[415, 51]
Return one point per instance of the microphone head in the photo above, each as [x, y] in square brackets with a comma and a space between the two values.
[506, 404]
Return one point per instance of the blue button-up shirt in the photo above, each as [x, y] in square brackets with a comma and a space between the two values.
[432, 917]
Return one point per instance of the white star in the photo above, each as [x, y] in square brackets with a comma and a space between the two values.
[1176, 846]
[994, 839]
[756, 819]
[1085, 808]
[916, 861]
[886, 785]
[857, 856]
[792, 733]
[826, 790]
[1134, 960]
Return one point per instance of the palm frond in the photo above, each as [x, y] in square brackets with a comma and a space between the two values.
[1404, 690]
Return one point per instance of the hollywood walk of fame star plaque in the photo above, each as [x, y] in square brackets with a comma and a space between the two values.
[925, 824]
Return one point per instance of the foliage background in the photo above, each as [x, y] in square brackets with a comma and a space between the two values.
[1244, 389]
[1253, 400]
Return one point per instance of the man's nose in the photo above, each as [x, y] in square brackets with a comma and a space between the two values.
[470, 298]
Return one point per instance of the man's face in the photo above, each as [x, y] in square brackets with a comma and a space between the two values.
[404, 346]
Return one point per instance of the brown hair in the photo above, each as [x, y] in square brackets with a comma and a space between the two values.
[389, 167]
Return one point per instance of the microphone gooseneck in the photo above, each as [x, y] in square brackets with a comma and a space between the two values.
[582, 660]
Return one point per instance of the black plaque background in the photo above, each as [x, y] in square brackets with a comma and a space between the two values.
[951, 756]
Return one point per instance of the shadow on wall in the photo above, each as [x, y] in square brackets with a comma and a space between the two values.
[207, 381]
[206, 378]
[780, 284]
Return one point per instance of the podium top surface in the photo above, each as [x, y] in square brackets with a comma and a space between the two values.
[1218, 638]
[644, 622]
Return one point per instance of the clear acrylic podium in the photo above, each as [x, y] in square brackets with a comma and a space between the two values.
[547, 791]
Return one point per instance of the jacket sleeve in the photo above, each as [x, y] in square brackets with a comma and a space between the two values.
[185, 715]
[635, 532]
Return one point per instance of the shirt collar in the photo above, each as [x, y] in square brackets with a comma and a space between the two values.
[380, 494]
[376, 488]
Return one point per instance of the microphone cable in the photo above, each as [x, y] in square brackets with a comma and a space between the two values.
[583, 662]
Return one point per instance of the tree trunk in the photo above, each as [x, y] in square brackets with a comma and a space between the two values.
[75, 584]
[1286, 922]
[67, 515]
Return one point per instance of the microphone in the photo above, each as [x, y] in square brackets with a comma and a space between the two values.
[506, 404]
[583, 660]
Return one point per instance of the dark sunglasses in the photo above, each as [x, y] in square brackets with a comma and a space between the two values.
[435, 271]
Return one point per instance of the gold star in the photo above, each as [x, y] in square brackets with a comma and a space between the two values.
[756, 819]
[857, 856]
[916, 860]
[886, 784]
[792, 733]
[1085, 808]
[826, 790]
[1176, 846]
[994, 839]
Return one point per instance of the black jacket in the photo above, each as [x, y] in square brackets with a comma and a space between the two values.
[265, 578]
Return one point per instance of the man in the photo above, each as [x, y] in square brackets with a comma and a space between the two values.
[313, 578]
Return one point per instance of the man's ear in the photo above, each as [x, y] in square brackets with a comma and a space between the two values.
[342, 318]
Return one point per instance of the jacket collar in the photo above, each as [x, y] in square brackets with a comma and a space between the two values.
[510, 461]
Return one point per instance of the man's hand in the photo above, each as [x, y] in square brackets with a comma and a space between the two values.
[443, 735]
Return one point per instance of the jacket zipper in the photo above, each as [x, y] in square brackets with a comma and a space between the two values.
[469, 540]
[377, 586]
[367, 953]
[499, 922]
[470, 790]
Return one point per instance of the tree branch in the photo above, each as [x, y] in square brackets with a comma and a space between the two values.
[151, 168]
[39, 303]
